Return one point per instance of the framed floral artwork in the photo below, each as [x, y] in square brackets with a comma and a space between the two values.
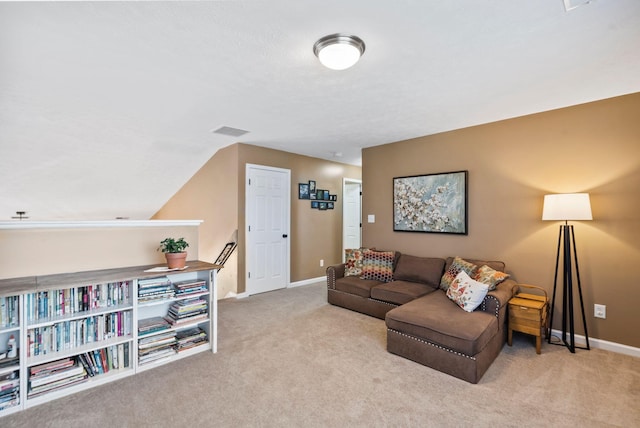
[432, 203]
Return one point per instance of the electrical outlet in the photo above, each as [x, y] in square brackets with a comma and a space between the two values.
[600, 311]
[321, 263]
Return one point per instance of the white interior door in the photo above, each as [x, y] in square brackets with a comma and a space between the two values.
[267, 219]
[351, 214]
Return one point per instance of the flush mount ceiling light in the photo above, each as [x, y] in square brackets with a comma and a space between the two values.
[339, 51]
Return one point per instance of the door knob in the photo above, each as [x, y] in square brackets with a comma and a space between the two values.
[285, 235]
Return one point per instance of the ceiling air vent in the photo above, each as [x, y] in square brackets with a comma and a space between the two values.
[231, 132]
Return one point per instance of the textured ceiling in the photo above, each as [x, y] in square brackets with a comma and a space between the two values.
[107, 108]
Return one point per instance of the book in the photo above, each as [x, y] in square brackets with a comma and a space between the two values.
[121, 356]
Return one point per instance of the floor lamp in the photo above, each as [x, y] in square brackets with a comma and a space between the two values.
[565, 207]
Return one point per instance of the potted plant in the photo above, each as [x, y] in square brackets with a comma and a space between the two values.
[174, 251]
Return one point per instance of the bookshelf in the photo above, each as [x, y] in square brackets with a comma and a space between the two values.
[78, 330]
[174, 317]
[10, 379]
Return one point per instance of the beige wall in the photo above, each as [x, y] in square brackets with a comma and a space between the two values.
[211, 195]
[216, 194]
[28, 252]
[592, 148]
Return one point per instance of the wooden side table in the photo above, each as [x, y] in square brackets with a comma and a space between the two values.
[528, 314]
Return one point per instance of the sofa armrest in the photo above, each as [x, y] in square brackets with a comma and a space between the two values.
[496, 300]
[333, 273]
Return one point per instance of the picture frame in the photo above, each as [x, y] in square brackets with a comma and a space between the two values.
[322, 205]
[312, 186]
[320, 194]
[314, 204]
[313, 195]
[326, 195]
[303, 190]
[333, 197]
[431, 203]
[329, 205]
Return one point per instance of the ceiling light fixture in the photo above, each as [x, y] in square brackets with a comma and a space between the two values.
[339, 51]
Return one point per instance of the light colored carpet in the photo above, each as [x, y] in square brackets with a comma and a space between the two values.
[288, 359]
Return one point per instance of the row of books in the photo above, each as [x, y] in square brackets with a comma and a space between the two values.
[9, 390]
[9, 315]
[55, 375]
[70, 334]
[150, 289]
[107, 359]
[70, 371]
[188, 310]
[51, 303]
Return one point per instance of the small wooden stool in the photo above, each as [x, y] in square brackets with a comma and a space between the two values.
[528, 313]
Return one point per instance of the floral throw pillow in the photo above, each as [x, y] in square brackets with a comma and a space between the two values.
[466, 292]
[489, 276]
[378, 265]
[353, 261]
[456, 267]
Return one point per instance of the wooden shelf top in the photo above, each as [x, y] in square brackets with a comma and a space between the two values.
[26, 284]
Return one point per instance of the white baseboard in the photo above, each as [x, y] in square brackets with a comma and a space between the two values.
[602, 344]
[232, 295]
[307, 281]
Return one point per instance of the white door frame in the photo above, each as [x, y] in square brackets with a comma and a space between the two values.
[287, 210]
[345, 182]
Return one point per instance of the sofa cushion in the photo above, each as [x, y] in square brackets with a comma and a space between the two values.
[490, 276]
[378, 265]
[427, 270]
[353, 261]
[466, 292]
[438, 320]
[497, 265]
[454, 268]
[399, 292]
[355, 285]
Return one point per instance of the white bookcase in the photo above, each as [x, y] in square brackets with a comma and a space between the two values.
[10, 379]
[79, 330]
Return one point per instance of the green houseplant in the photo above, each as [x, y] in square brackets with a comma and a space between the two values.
[174, 252]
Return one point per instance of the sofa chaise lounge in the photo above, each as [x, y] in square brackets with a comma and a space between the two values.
[423, 323]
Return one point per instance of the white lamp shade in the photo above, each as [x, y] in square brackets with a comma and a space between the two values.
[567, 206]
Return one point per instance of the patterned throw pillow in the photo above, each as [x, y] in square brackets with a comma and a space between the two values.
[456, 267]
[353, 261]
[466, 292]
[489, 276]
[378, 265]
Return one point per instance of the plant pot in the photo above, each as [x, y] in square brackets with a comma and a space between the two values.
[176, 260]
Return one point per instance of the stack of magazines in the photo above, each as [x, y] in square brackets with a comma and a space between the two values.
[154, 289]
[156, 340]
[189, 338]
[152, 325]
[185, 288]
[186, 311]
[55, 375]
[9, 390]
[156, 347]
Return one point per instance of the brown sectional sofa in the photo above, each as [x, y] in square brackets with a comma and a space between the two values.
[423, 324]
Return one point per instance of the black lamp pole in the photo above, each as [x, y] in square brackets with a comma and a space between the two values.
[567, 240]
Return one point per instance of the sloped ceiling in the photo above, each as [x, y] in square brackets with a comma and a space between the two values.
[106, 108]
